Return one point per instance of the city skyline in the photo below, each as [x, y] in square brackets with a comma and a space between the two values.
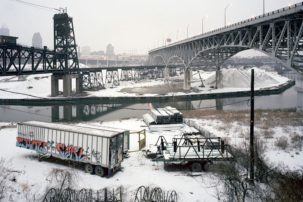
[131, 25]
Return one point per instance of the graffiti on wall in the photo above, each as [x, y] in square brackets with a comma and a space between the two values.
[36, 145]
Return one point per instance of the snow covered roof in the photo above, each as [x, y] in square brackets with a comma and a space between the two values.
[72, 128]
[99, 127]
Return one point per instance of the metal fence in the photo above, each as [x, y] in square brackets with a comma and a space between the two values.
[143, 194]
[83, 195]
[148, 194]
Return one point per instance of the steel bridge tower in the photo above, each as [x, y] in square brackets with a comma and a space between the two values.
[66, 57]
[65, 42]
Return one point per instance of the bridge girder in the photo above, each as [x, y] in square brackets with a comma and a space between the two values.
[18, 60]
[278, 34]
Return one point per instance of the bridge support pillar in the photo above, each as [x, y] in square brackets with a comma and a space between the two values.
[55, 113]
[78, 84]
[54, 85]
[67, 112]
[187, 79]
[299, 90]
[219, 77]
[67, 85]
[219, 104]
[300, 102]
[166, 73]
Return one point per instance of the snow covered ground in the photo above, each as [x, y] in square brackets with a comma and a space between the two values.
[34, 85]
[281, 146]
[234, 80]
[31, 176]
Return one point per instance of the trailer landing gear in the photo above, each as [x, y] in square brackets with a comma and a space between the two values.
[199, 166]
[196, 167]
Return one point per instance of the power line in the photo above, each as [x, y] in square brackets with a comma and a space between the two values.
[19, 110]
[127, 108]
[69, 102]
[209, 107]
[36, 5]
[14, 92]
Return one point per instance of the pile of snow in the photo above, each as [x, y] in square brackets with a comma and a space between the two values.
[250, 54]
[240, 78]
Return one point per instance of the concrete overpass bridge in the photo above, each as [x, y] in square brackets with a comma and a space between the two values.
[277, 33]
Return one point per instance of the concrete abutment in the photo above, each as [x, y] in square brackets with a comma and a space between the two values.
[67, 84]
[187, 79]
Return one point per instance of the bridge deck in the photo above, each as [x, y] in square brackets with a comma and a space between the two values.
[283, 12]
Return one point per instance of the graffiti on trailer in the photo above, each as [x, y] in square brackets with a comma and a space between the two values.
[96, 155]
[70, 152]
[37, 145]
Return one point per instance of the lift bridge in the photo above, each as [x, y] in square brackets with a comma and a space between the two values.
[279, 34]
[63, 62]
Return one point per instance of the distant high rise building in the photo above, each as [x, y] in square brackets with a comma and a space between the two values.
[4, 30]
[37, 40]
[85, 50]
[110, 50]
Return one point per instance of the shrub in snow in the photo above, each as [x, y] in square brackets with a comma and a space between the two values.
[268, 134]
[282, 142]
[5, 177]
[297, 141]
[60, 178]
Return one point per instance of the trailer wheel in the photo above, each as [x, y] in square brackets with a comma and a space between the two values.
[99, 171]
[196, 167]
[88, 168]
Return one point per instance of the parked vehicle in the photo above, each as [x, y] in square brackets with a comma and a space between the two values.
[192, 150]
[100, 150]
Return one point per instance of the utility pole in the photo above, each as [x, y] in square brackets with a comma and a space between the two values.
[225, 11]
[263, 7]
[252, 119]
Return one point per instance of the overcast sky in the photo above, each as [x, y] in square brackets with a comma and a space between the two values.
[130, 25]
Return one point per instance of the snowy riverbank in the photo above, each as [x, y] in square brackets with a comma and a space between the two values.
[234, 80]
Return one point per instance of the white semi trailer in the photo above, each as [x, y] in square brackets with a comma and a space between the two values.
[99, 150]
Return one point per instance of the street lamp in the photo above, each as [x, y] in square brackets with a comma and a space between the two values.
[203, 24]
[263, 7]
[187, 30]
[225, 10]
